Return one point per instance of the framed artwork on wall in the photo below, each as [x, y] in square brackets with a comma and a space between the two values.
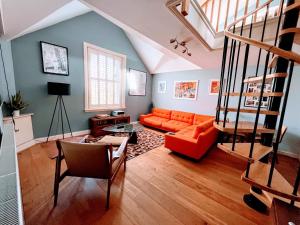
[214, 86]
[54, 59]
[253, 101]
[137, 81]
[186, 89]
[162, 87]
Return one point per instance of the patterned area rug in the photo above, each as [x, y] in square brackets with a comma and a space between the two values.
[147, 140]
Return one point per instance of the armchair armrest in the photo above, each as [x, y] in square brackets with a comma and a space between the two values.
[121, 149]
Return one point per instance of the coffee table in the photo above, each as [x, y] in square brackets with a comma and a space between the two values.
[130, 128]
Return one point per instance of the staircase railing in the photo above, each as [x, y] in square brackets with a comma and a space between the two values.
[276, 108]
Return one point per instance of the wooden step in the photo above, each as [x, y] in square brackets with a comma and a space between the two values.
[243, 110]
[273, 62]
[241, 150]
[268, 77]
[292, 6]
[255, 94]
[243, 127]
[295, 30]
[267, 198]
[258, 177]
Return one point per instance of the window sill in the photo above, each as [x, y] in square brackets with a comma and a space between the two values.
[103, 109]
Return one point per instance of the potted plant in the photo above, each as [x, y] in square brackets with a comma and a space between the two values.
[16, 104]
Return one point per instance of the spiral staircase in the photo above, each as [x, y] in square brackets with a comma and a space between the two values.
[274, 68]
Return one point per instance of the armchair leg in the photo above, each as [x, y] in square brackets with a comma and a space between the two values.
[56, 181]
[125, 163]
[108, 194]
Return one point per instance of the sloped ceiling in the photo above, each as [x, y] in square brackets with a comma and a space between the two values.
[68, 11]
[157, 58]
[17, 16]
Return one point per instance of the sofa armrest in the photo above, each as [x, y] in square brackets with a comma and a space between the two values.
[208, 137]
[142, 117]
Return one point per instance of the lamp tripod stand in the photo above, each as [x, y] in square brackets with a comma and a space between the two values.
[60, 108]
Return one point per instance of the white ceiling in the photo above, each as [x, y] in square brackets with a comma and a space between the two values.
[156, 57]
[68, 11]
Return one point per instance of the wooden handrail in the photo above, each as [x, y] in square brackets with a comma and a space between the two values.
[277, 51]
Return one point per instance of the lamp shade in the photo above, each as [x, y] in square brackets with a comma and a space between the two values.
[59, 88]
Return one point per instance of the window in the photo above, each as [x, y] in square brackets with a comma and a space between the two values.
[104, 79]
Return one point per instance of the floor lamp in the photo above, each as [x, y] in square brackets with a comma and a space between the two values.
[59, 89]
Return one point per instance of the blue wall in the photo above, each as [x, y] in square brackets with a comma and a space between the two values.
[90, 28]
[206, 104]
[8, 63]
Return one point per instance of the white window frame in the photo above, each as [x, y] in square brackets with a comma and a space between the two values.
[88, 106]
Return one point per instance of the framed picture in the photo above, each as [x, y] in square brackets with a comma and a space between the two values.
[214, 86]
[137, 82]
[162, 87]
[54, 59]
[253, 101]
[186, 89]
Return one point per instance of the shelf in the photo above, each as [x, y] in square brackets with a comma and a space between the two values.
[241, 150]
[243, 127]
[291, 7]
[258, 177]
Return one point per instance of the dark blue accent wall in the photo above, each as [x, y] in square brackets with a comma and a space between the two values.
[31, 81]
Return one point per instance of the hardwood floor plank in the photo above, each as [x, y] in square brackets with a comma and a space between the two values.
[158, 187]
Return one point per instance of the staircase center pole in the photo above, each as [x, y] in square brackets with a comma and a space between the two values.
[286, 43]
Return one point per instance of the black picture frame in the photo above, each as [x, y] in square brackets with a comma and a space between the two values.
[64, 59]
[142, 73]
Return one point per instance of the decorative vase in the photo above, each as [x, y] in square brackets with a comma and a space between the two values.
[16, 113]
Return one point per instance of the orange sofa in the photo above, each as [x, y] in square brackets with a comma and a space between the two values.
[189, 134]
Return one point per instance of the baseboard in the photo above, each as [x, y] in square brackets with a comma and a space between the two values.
[60, 136]
[26, 145]
[289, 154]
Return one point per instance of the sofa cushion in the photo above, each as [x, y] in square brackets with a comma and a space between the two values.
[154, 120]
[203, 127]
[188, 131]
[199, 119]
[174, 125]
[182, 116]
[164, 113]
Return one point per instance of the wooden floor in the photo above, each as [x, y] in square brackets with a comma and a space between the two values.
[157, 188]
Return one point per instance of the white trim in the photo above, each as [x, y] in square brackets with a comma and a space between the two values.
[289, 154]
[87, 106]
[25, 145]
[60, 136]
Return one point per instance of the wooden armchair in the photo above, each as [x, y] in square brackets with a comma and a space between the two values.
[89, 160]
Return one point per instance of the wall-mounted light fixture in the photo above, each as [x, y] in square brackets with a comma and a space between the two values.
[182, 44]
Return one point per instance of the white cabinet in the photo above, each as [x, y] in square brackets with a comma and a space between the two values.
[23, 130]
